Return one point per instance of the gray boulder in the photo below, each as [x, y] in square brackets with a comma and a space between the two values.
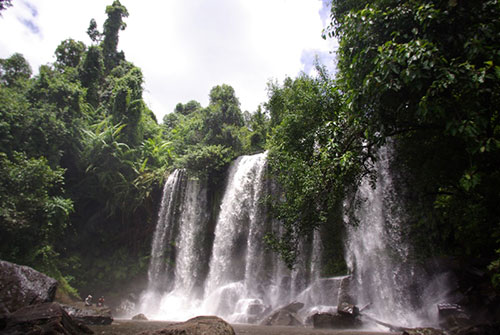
[90, 315]
[22, 286]
[44, 318]
[200, 325]
[140, 316]
[452, 315]
[284, 316]
[422, 331]
[335, 321]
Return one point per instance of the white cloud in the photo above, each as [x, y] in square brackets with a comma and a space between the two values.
[183, 47]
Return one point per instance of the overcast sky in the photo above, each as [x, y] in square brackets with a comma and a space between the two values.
[184, 47]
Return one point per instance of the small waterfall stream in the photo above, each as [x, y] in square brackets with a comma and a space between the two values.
[164, 230]
[385, 279]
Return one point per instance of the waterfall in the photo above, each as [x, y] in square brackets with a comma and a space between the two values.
[164, 229]
[393, 288]
[243, 279]
[236, 244]
[208, 256]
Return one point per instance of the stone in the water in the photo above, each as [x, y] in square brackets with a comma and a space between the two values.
[21, 286]
[90, 315]
[254, 312]
[140, 316]
[335, 321]
[347, 309]
[422, 331]
[200, 325]
[452, 315]
[284, 316]
[44, 318]
[293, 307]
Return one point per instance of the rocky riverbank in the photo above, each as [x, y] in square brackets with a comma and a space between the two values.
[132, 327]
[27, 306]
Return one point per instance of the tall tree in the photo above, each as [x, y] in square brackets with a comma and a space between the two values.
[69, 53]
[14, 70]
[112, 26]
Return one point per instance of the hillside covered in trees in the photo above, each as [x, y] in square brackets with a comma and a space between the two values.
[83, 158]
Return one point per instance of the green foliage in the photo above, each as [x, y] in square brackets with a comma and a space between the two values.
[79, 129]
[93, 32]
[33, 210]
[118, 176]
[114, 23]
[494, 267]
[426, 74]
[69, 53]
[14, 71]
[312, 155]
[254, 134]
[204, 160]
[206, 140]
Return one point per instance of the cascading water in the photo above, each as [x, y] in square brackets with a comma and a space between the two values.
[164, 229]
[204, 266]
[243, 279]
[384, 279]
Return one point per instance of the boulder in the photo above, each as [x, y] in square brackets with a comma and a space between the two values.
[200, 325]
[422, 331]
[90, 315]
[21, 286]
[293, 307]
[345, 289]
[44, 318]
[251, 312]
[335, 321]
[140, 317]
[284, 316]
[452, 315]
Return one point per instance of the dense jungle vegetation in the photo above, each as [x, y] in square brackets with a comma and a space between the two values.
[83, 158]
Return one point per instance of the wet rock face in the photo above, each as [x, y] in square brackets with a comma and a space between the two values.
[22, 286]
[90, 315]
[452, 315]
[200, 325]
